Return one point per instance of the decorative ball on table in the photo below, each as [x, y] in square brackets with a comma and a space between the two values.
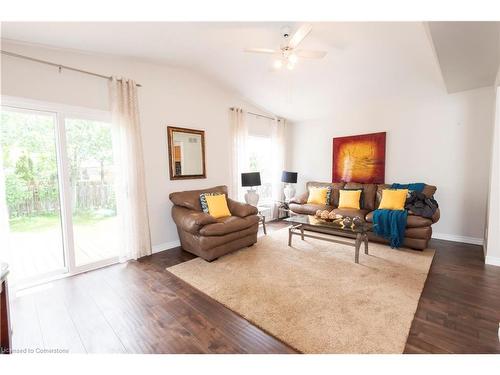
[325, 214]
[251, 180]
[346, 222]
[357, 221]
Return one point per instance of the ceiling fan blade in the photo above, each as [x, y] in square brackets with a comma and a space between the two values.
[260, 50]
[299, 35]
[310, 54]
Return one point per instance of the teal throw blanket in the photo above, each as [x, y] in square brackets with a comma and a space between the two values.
[390, 224]
[416, 186]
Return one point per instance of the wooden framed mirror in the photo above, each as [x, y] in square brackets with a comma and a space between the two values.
[186, 153]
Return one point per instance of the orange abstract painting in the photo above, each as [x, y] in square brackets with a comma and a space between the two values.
[359, 158]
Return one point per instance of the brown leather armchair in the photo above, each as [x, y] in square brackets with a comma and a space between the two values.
[206, 236]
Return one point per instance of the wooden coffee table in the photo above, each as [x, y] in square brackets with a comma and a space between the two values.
[301, 225]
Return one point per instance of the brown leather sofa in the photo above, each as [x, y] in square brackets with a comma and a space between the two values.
[418, 229]
[206, 236]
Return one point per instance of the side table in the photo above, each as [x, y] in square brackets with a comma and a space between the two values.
[283, 209]
[262, 217]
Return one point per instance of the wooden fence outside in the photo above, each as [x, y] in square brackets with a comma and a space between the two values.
[86, 195]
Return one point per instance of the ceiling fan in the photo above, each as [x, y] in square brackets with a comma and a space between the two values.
[288, 54]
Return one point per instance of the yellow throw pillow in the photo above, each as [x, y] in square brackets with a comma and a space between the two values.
[393, 199]
[217, 205]
[318, 195]
[349, 198]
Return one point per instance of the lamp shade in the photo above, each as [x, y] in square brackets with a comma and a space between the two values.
[250, 179]
[289, 177]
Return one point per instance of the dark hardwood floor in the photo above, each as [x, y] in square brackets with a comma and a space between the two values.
[138, 307]
[459, 309]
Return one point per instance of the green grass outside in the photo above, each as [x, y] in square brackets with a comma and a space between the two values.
[49, 221]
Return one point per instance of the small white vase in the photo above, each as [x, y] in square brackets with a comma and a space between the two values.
[251, 197]
[289, 192]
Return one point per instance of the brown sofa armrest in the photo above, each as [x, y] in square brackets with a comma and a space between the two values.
[436, 216]
[300, 199]
[191, 221]
[241, 209]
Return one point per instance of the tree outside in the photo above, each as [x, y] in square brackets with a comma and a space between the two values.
[30, 168]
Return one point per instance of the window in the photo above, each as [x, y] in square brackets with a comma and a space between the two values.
[259, 146]
[259, 155]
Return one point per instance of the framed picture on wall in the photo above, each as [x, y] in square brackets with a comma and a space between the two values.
[359, 158]
[186, 153]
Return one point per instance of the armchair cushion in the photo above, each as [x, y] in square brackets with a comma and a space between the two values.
[229, 224]
[217, 205]
[191, 221]
[241, 209]
[204, 203]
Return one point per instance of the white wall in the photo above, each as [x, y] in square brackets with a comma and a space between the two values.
[432, 137]
[492, 233]
[168, 96]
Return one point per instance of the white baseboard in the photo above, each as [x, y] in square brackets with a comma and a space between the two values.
[165, 246]
[456, 238]
[492, 261]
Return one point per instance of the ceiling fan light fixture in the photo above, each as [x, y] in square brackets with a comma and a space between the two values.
[277, 64]
[293, 58]
[288, 53]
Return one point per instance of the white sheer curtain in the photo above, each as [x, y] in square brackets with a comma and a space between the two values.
[239, 151]
[278, 144]
[127, 144]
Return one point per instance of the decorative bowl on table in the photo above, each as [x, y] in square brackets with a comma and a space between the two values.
[330, 216]
[327, 215]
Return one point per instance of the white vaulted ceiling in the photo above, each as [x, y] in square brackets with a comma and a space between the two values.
[468, 53]
[364, 59]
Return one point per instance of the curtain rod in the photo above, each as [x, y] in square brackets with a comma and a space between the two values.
[259, 115]
[60, 66]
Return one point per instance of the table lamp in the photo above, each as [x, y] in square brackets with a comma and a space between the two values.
[251, 180]
[289, 178]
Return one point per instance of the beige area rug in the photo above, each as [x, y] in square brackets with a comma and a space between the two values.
[313, 296]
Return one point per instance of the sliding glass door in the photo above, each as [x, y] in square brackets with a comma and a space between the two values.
[31, 175]
[59, 177]
[96, 225]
